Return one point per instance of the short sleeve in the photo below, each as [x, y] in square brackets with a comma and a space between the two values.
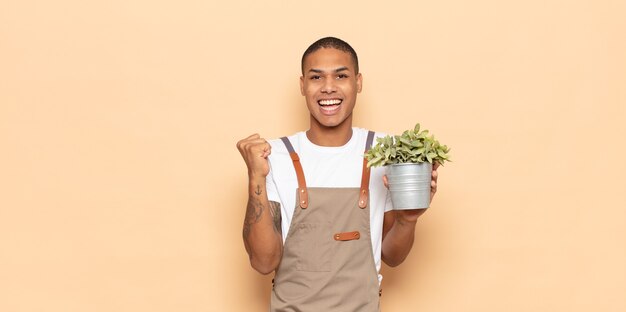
[388, 204]
[270, 186]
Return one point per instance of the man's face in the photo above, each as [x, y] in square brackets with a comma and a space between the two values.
[330, 85]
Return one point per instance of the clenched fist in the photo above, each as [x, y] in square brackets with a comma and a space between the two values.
[254, 150]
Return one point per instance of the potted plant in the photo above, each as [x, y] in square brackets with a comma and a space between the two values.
[408, 159]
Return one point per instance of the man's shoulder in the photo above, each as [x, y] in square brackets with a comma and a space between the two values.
[279, 144]
[364, 132]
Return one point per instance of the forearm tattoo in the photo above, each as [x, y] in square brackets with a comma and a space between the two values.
[254, 212]
[276, 216]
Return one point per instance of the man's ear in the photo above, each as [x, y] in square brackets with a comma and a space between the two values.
[302, 85]
[359, 82]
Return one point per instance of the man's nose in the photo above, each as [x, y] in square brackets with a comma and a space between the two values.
[329, 86]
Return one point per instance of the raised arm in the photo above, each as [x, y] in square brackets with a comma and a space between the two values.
[399, 228]
[261, 226]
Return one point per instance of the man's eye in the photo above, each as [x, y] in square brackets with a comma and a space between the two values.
[342, 76]
[316, 77]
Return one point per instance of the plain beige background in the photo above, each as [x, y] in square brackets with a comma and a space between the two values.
[121, 188]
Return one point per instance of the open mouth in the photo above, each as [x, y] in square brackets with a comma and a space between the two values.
[329, 105]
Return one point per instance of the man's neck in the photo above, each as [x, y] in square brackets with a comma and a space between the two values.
[330, 136]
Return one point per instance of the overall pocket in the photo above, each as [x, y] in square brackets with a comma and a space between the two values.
[313, 246]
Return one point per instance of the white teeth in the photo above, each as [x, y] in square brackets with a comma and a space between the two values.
[329, 102]
[330, 108]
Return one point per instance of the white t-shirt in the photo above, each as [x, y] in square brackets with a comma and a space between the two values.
[340, 166]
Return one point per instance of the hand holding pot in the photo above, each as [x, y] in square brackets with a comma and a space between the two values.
[433, 181]
[411, 162]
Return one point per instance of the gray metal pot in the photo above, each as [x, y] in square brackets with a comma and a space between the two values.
[409, 185]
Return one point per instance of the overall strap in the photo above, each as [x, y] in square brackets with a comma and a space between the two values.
[365, 177]
[303, 200]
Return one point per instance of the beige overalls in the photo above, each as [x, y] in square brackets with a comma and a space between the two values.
[328, 263]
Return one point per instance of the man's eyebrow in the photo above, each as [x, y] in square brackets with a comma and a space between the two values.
[319, 71]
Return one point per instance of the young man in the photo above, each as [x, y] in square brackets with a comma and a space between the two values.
[316, 215]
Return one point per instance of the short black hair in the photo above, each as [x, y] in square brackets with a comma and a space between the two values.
[335, 43]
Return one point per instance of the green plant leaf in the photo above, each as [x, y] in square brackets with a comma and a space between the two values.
[415, 146]
[405, 141]
[416, 143]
